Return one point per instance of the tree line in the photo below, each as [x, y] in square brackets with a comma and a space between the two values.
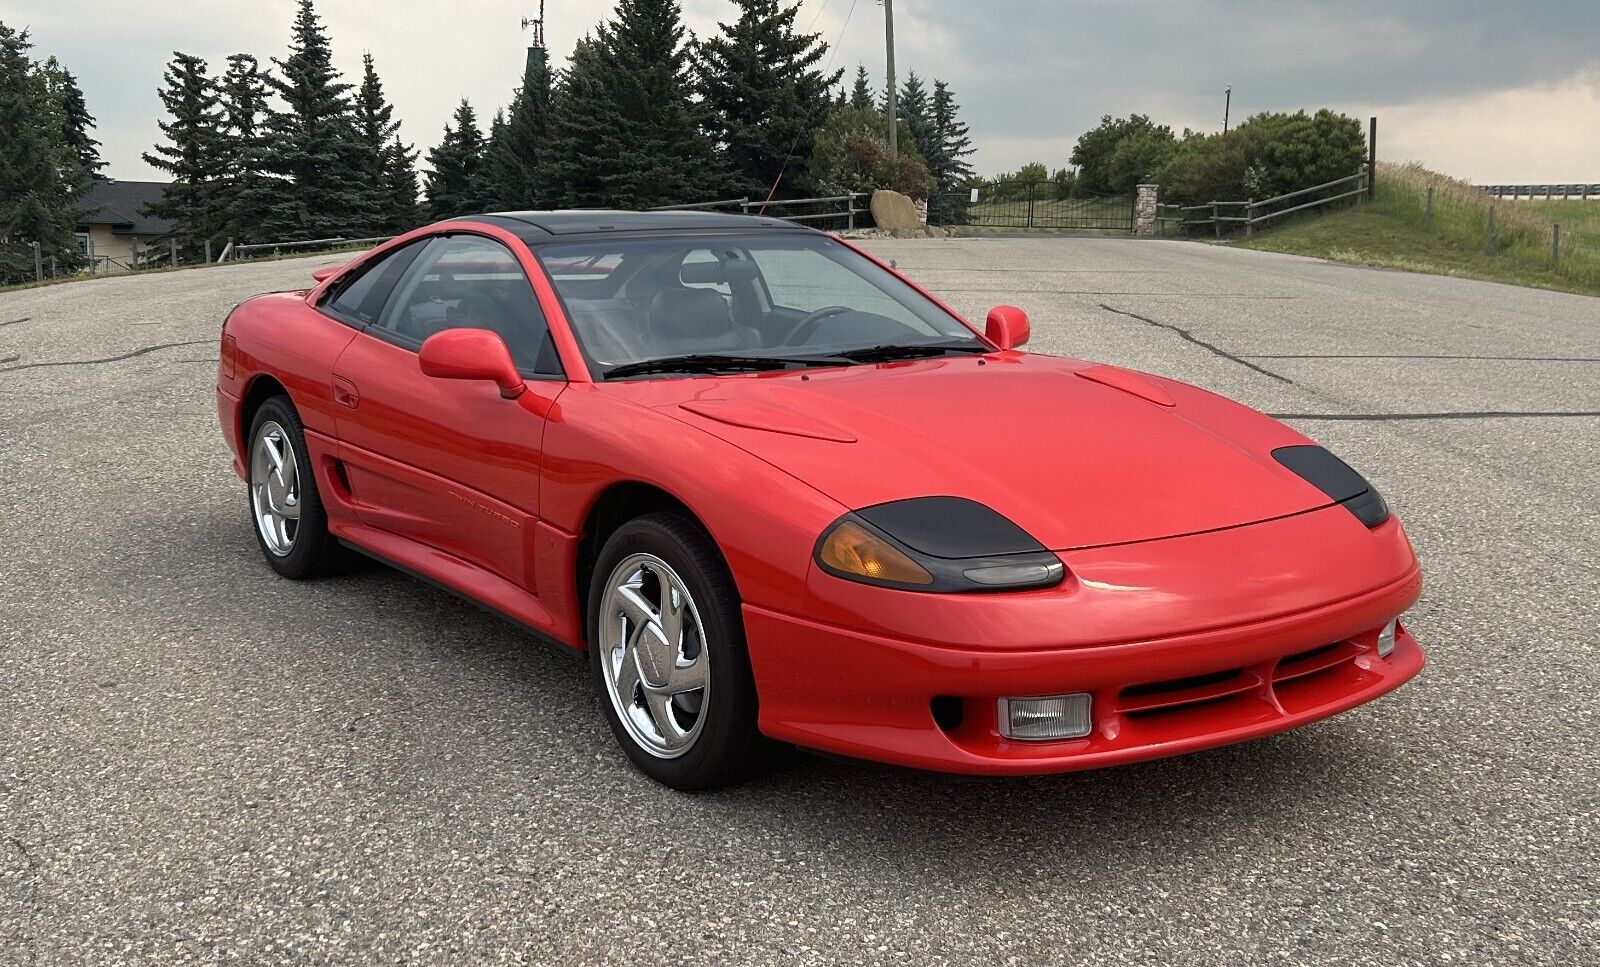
[644, 114]
[1270, 154]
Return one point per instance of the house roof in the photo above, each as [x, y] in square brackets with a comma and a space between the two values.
[120, 204]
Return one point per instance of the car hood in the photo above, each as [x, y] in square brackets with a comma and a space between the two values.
[1078, 455]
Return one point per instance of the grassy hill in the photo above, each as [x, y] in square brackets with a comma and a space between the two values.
[1394, 231]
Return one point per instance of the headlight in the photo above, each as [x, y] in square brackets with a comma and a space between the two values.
[939, 544]
[1334, 477]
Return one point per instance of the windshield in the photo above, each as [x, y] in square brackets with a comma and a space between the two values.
[784, 296]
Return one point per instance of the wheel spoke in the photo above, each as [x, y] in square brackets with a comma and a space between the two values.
[660, 706]
[628, 676]
[638, 611]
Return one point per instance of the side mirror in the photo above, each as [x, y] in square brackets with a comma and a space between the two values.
[1007, 327]
[472, 354]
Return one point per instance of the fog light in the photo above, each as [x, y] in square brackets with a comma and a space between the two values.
[1386, 639]
[1042, 719]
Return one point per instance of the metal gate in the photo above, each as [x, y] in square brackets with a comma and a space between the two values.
[1031, 204]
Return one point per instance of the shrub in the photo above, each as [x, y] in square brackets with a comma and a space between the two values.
[851, 154]
[1094, 154]
[1270, 154]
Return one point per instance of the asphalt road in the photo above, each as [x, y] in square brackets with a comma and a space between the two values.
[202, 763]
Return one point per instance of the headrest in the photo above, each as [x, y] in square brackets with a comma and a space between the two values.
[689, 314]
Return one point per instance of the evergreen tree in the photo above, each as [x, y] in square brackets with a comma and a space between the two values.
[458, 183]
[629, 135]
[194, 152]
[313, 143]
[250, 189]
[376, 135]
[950, 140]
[517, 154]
[402, 212]
[861, 97]
[760, 81]
[35, 200]
[917, 111]
[76, 120]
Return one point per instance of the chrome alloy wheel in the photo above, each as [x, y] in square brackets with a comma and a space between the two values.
[275, 488]
[654, 657]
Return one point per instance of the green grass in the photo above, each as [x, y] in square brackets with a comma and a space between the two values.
[1395, 232]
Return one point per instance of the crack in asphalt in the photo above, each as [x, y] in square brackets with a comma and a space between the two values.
[31, 894]
[9, 359]
[1513, 359]
[108, 359]
[1191, 337]
[14, 322]
[1466, 415]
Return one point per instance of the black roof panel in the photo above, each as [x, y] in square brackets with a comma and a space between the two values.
[600, 221]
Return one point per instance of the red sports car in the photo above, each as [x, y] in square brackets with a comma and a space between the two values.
[779, 493]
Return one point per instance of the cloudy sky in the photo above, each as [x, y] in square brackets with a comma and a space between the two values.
[1488, 91]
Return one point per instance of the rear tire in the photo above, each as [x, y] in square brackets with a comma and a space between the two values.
[291, 526]
[667, 652]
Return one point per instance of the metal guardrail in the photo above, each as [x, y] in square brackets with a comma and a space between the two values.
[1256, 212]
[1580, 192]
[237, 252]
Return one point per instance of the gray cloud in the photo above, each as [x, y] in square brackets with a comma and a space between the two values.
[1032, 74]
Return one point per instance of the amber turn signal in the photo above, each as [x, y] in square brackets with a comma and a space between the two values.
[852, 549]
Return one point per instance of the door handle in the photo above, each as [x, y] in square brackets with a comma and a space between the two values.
[345, 393]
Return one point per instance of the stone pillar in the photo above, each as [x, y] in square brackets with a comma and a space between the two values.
[1144, 211]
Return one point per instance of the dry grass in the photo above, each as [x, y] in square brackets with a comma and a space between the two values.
[1398, 230]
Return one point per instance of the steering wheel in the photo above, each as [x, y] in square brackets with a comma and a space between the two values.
[807, 327]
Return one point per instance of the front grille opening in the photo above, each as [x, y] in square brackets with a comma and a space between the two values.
[1312, 653]
[948, 712]
[1178, 684]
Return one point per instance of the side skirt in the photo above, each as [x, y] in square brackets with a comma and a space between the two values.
[457, 577]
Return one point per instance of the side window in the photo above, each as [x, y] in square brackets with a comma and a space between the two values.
[805, 280]
[470, 282]
[359, 300]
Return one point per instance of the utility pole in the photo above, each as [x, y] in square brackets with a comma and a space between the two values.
[1227, 106]
[889, 98]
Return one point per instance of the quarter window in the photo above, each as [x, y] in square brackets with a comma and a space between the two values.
[360, 299]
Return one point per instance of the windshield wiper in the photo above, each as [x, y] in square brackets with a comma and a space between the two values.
[883, 354]
[720, 362]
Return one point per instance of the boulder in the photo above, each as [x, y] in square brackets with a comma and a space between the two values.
[894, 212]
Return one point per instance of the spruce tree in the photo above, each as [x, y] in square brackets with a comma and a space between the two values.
[951, 140]
[194, 150]
[517, 155]
[250, 190]
[76, 122]
[313, 143]
[917, 111]
[402, 212]
[376, 134]
[629, 134]
[765, 94]
[458, 183]
[861, 97]
[36, 203]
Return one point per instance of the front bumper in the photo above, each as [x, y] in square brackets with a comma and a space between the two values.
[932, 706]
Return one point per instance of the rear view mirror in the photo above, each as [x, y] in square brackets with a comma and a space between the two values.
[472, 354]
[1007, 327]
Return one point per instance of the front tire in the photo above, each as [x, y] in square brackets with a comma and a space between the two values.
[290, 524]
[667, 653]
